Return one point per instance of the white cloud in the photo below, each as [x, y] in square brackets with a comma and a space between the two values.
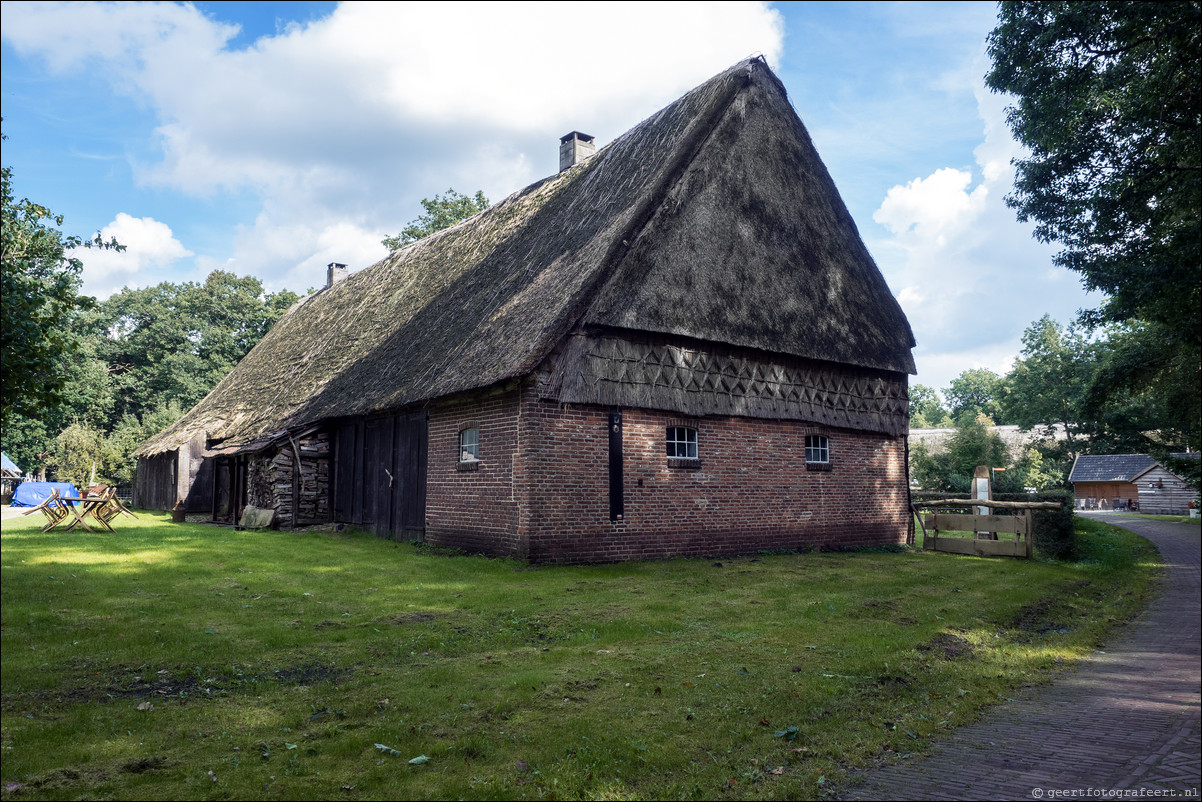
[972, 276]
[149, 245]
[927, 211]
[936, 370]
[341, 126]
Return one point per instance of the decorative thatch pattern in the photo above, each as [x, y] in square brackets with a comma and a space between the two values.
[680, 201]
[699, 380]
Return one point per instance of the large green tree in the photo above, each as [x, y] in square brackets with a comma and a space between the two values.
[39, 285]
[1050, 381]
[172, 343]
[926, 408]
[1107, 102]
[977, 391]
[443, 211]
[951, 468]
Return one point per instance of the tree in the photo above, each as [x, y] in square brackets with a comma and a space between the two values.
[172, 343]
[951, 469]
[1107, 101]
[1051, 380]
[81, 455]
[39, 283]
[442, 212]
[926, 409]
[976, 392]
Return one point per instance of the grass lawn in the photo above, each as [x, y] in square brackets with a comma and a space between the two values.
[182, 661]
[1179, 519]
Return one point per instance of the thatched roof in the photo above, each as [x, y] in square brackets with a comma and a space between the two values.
[714, 219]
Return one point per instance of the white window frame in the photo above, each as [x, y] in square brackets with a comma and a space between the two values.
[681, 442]
[818, 449]
[469, 444]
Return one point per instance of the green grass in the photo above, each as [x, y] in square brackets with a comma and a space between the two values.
[1180, 519]
[180, 661]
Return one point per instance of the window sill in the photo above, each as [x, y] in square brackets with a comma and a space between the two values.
[684, 463]
[818, 466]
[468, 465]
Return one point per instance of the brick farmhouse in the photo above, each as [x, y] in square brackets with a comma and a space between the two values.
[678, 345]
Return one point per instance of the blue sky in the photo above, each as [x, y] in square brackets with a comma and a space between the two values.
[272, 138]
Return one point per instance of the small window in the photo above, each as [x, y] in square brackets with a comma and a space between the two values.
[682, 442]
[818, 450]
[469, 445]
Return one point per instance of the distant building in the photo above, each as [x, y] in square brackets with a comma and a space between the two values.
[1121, 481]
[1015, 439]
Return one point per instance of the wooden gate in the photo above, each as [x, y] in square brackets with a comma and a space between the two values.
[1017, 523]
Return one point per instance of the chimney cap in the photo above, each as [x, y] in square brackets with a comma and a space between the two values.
[576, 135]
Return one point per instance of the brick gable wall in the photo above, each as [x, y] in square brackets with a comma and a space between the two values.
[541, 490]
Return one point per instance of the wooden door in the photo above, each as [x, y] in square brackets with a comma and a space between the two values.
[380, 475]
[409, 470]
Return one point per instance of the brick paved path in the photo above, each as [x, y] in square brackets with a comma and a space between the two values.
[1127, 718]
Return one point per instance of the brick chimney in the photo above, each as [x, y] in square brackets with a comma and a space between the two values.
[335, 273]
[575, 148]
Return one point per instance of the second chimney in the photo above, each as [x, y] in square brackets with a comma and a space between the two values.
[575, 148]
[335, 273]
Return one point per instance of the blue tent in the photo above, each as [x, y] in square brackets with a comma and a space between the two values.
[8, 464]
[31, 494]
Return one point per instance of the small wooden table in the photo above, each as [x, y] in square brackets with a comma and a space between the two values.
[90, 506]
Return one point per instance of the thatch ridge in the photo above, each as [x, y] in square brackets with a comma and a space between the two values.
[482, 302]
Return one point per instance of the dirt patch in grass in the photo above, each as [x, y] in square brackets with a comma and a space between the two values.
[949, 646]
[144, 764]
[412, 618]
[1051, 613]
[126, 683]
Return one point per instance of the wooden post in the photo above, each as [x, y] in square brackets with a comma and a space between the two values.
[981, 489]
[1030, 535]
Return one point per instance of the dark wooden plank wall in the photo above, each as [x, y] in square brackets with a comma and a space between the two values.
[155, 481]
[379, 478]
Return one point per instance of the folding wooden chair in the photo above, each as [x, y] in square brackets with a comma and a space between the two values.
[54, 508]
[114, 507]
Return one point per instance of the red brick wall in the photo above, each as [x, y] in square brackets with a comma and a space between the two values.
[548, 500]
[752, 491]
[474, 510]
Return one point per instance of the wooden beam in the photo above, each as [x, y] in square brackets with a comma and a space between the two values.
[1001, 505]
[979, 523]
[982, 548]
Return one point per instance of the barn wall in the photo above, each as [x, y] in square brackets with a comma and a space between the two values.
[542, 489]
[752, 490]
[155, 481]
[1105, 492]
[474, 509]
[1162, 492]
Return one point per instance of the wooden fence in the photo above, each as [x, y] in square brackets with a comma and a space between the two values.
[984, 528]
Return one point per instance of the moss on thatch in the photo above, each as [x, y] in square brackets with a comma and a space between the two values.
[714, 219]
